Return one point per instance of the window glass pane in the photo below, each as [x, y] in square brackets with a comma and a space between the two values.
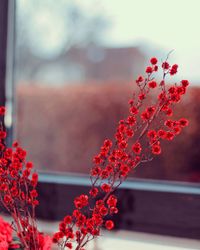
[74, 71]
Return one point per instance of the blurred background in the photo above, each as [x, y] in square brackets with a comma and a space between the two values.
[75, 65]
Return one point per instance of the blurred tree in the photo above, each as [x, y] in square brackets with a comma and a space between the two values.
[47, 29]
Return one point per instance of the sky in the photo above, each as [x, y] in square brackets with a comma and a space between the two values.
[168, 25]
[157, 25]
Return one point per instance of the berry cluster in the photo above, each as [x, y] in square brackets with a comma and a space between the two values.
[18, 192]
[137, 140]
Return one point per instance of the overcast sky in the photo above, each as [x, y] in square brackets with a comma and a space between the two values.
[167, 25]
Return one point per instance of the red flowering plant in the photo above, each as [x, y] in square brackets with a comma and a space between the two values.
[137, 140]
[18, 192]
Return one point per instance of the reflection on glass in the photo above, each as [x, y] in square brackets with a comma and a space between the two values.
[75, 66]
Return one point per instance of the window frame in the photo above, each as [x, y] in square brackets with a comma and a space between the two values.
[159, 207]
[3, 47]
[151, 206]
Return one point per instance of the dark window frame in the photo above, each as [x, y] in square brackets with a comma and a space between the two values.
[3, 46]
[160, 207]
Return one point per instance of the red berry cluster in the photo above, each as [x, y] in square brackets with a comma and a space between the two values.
[18, 191]
[137, 139]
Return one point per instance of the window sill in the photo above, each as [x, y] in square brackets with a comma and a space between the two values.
[127, 240]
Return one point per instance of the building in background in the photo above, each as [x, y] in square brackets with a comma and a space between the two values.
[93, 62]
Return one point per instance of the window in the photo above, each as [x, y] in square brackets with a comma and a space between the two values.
[74, 68]
[75, 62]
